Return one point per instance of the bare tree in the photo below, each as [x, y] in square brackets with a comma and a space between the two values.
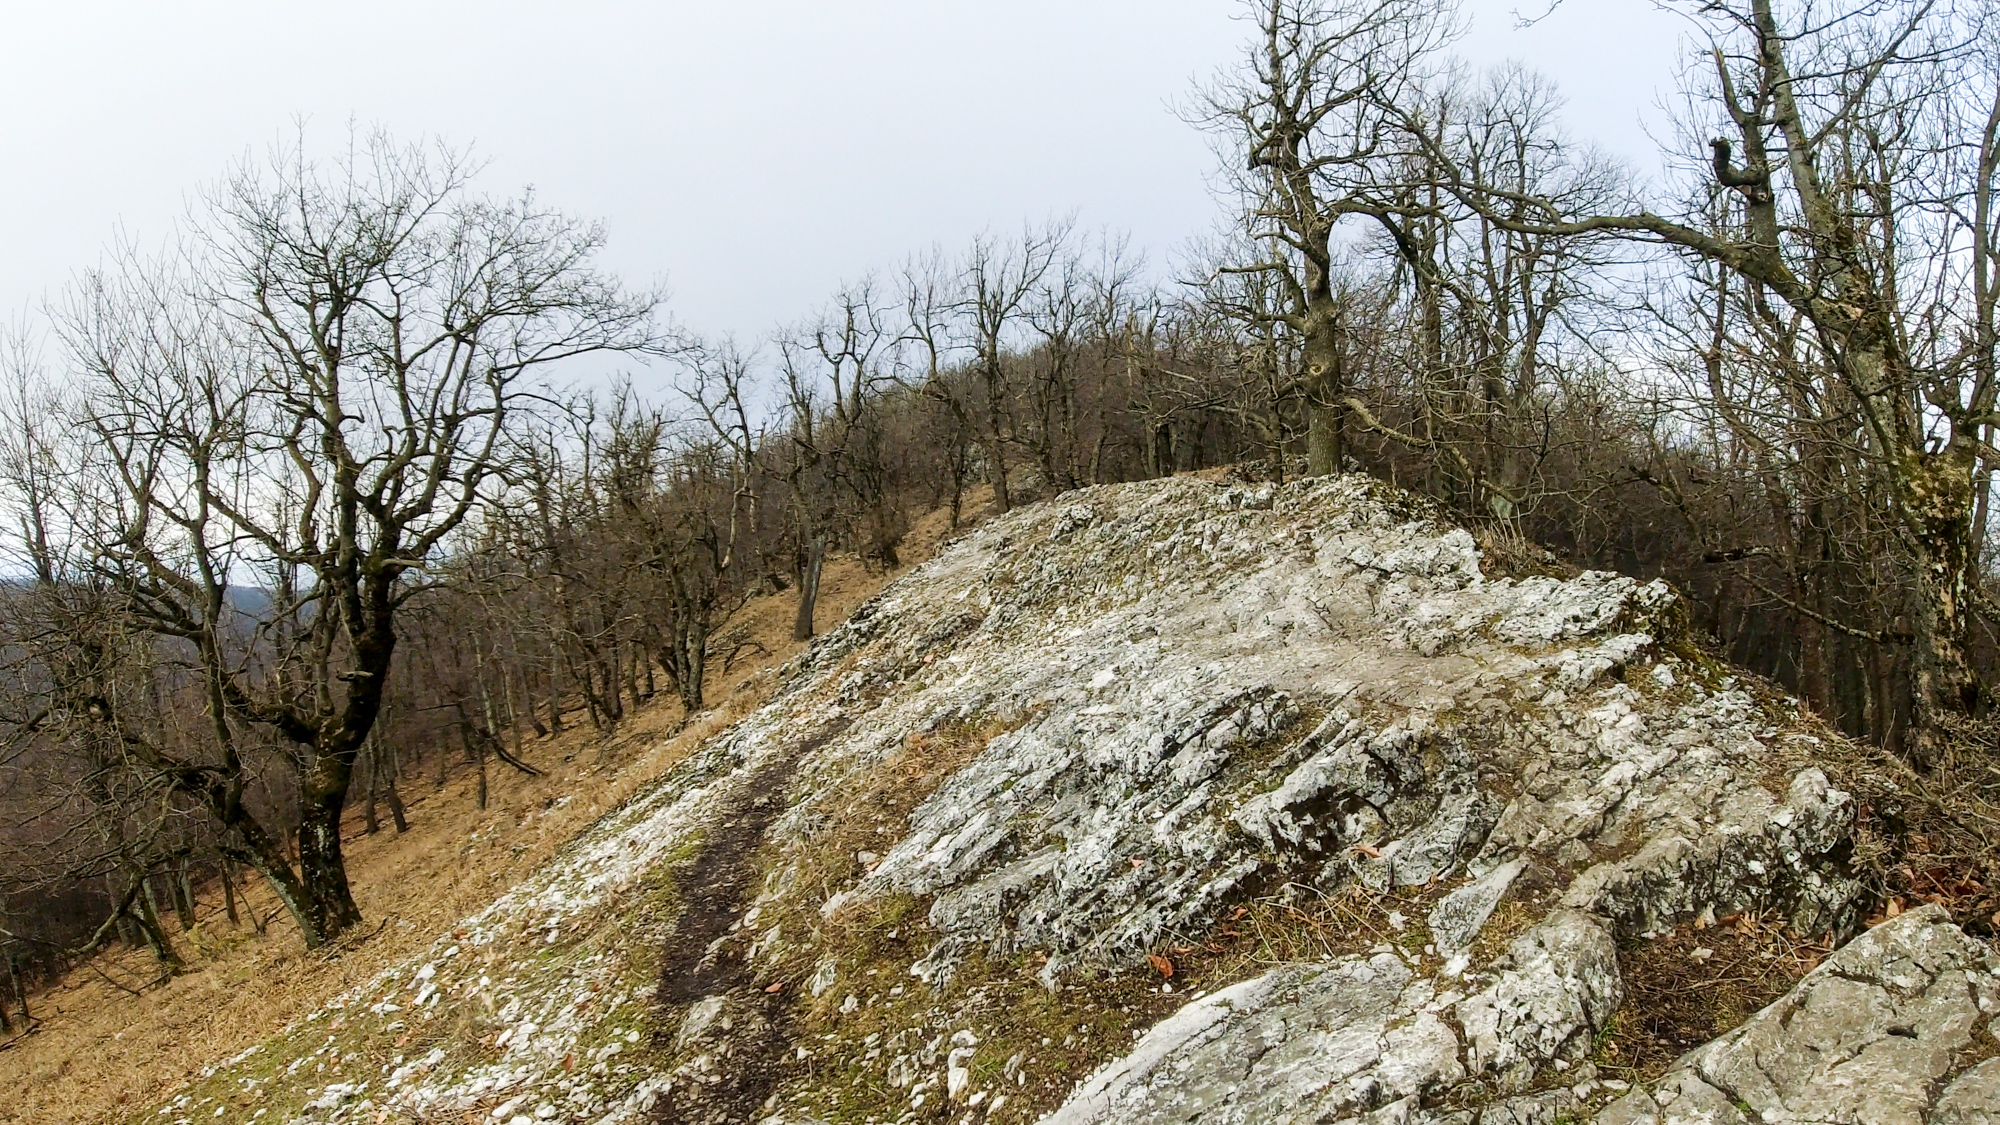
[1862, 206]
[1309, 116]
[280, 429]
[1000, 281]
[835, 371]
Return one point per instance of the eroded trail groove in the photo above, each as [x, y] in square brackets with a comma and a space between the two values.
[728, 1031]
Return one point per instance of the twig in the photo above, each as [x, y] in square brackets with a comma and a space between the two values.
[112, 981]
[1878, 636]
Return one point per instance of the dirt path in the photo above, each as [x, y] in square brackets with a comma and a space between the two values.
[699, 963]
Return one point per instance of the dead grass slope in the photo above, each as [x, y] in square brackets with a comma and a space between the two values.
[97, 1053]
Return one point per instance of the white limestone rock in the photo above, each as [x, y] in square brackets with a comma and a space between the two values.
[1870, 1037]
[1360, 1039]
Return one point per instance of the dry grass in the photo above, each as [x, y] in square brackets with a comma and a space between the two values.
[1688, 986]
[97, 1054]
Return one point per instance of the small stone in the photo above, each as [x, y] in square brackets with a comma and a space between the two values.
[958, 1075]
[823, 978]
[1458, 917]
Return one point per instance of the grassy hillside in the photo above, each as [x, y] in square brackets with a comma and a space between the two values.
[106, 1041]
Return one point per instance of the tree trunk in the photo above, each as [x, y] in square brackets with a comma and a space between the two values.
[372, 823]
[1937, 499]
[265, 853]
[1325, 387]
[693, 688]
[685, 659]
[229, 892]
[148, 918]
[507, 700]
[996, 446]
[492, 729]
[390, 794]
[613, 672]
[328, 900]
[183, 894]
[811, 561]
[20, 993]
[152, 897]
[555, 701]
[528, 703]
[475, 750]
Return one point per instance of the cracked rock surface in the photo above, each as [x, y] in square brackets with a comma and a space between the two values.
[1360, 1039]
[1216, 685]
[1877, 1035]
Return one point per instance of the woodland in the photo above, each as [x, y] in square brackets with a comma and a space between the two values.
[310, 511]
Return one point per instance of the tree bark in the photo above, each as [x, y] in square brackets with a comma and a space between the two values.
[528, 703]
[996, 445]
[20, 993]
[148, 919]
[811, 562]
[229, 892]
[1938, 500]
[1325, 386]
[390, 794]
[183, 895]
[372, 823]
[152, 897]
[328, 901]
[475, 750]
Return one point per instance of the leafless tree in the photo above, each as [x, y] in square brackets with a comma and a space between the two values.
[276, 432]
[834, 373]
[1308, 118]
[1000, 278]
[1858, 225]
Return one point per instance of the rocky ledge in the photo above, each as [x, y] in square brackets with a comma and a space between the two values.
[1399, 823]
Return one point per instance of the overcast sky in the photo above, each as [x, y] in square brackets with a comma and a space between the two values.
[752, 155]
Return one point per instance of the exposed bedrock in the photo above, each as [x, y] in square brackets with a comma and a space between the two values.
[1093, 730]
[1211, 687]
[1896, 1028]
[1204, 690]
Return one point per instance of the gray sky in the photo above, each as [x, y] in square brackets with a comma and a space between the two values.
[752, 155]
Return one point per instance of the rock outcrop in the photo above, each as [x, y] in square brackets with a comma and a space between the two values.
[1897, 1028]
[1362, 1039]
[1083, 741]
[1220, 685]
